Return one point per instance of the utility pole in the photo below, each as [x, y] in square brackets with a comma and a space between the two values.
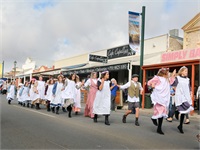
[15, 63]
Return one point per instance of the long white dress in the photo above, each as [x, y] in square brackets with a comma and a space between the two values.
[182, 94]
[11, 93]
[77, 100]
[69, 93]
[49, 93]
[32, 93]
[102, 100]
[25, 93]
[57, 98]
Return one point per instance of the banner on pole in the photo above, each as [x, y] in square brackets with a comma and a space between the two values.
[1, 70]
[134, 31]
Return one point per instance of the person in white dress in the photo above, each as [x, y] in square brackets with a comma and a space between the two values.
[31, 91]
[183, 95]
[24, 93]
[77, 100]
[69, 93]
[56, 101]
[102, 102]
[19, 98]
[49, 93]
[39, 89]
[134, 89]
[11, 92]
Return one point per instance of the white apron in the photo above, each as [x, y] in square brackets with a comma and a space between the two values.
[161, 92]
[49, 93]
[57, 99]
[102, 102]
[11, 93]
[24, 95]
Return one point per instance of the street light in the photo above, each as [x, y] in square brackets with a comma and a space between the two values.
[15, 63]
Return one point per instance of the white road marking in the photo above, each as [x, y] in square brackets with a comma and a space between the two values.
[35, 111]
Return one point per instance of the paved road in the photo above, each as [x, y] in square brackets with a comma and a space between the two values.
[26, 128]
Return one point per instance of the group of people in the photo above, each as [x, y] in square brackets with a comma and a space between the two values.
[65, 93]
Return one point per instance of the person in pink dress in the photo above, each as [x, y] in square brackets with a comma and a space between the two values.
[161, 96]
[92, 83]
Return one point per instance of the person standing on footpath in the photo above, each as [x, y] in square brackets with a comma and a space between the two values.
[113, 88]
[161, 96]
[183, 95]
[134, 89]
[102, 100]
[92, 84]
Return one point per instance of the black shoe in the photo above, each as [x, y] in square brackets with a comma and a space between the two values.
[124, 119]
[180, 129]
[160, 132]
[24, 104]
[137, 123]
[106, 120]
[76, 113]
[53, 109]
[57, 110]
[69, 114]
[63, 109]
[95, 118]
[9, 101]
[154, 122]
[32, 105]
[28, 105]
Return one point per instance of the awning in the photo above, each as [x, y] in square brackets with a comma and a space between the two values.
[73, 67]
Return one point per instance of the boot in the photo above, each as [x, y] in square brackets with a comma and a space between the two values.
[9, 101]
[24, 104]
[48, 107]
[37, 106]
[124, 119]
[154, 122]
[180, 127]
[95, 118]
[57, 110]
[106, 120]
[32, 105]
[53, 109]
[69, 108]
[63, 109]
[159, 130]
[28, 105]
[136, 122]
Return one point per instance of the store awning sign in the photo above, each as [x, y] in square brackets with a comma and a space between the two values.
[97, 58]
[134, 31]
[181, 55]
[121, 51]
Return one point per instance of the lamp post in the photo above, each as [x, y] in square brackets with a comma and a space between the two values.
[15, 63]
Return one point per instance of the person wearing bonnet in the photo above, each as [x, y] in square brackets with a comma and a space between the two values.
[183, 95]
[102, 102]
[160, 96]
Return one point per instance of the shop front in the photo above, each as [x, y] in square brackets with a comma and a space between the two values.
[175, 60]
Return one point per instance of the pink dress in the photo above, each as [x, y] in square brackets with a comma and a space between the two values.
[160, 96]
[90, 100]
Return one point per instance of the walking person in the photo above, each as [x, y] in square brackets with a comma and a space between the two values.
[77, 100]
[69, 93]
[19, 97]
[24, 93]
[39, 89]
[172, 107]
[183, 95]
[49, 93]
[134, 89]
[56, 101]
[113, 88]
[102, 100]
[92, 84]
[31, 91]
[161, 96]
[11, 92]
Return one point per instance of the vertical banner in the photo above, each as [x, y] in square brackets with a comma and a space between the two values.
[1, 70]
[134, 31]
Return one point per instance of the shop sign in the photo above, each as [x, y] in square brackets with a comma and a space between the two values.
[121, 51]
[97, 58]
[181, 55]
[98, 69]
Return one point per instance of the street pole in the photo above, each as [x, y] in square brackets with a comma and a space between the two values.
[15, 63]
[2, 68]
[142, 43]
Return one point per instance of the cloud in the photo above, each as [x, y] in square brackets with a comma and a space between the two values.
[50, 30]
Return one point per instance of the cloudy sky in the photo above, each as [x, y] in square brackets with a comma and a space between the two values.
[49, 30]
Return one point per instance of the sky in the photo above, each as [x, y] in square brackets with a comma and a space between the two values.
[50, 30]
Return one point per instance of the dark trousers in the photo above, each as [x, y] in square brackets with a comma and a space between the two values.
[113, 102]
